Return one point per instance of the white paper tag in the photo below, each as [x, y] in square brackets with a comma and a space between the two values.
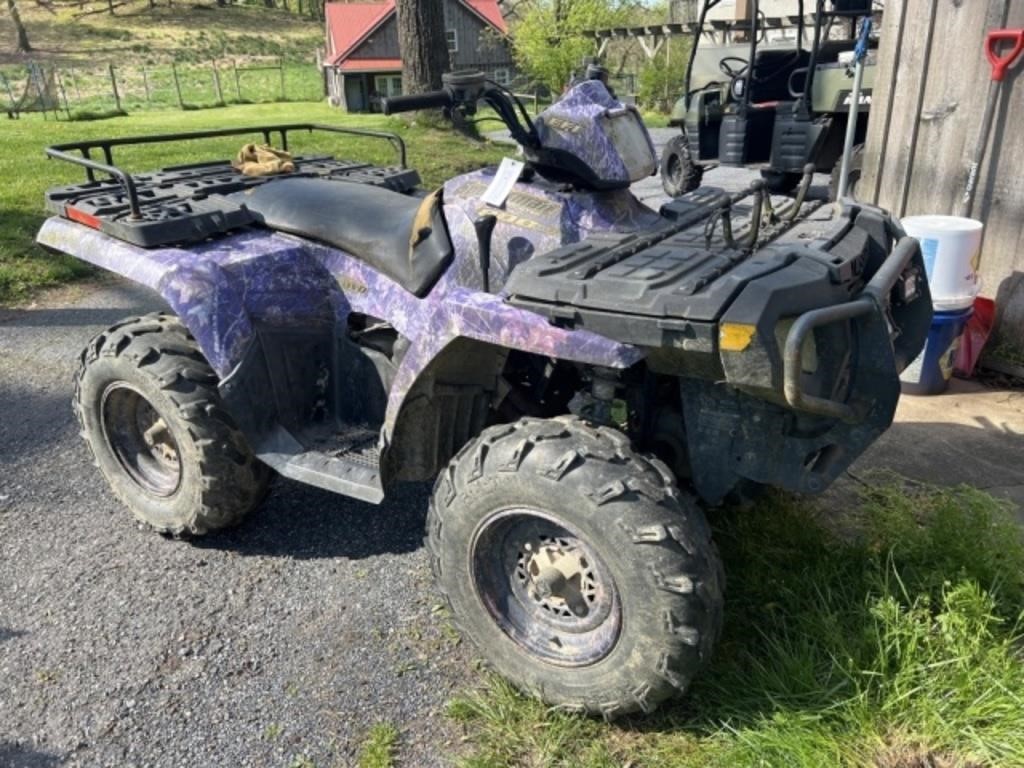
[501, 185]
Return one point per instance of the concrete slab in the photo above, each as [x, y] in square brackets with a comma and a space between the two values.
[971, 434]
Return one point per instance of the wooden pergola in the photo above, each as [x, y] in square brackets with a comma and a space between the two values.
[653, 36]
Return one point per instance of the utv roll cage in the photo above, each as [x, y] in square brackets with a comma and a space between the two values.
[849, 9]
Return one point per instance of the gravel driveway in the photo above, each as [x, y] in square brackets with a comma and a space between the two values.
[288, 636]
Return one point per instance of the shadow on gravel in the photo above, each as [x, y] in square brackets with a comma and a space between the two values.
[9, 634]
[77, 317]
[306, 523]
[34, 422]
[13, 756]
[129, 300]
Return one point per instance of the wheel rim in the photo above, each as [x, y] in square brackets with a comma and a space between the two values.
[545, 588]
[675, 169]
[138, 436]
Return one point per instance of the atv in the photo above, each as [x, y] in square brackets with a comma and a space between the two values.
[574, 370]
[773, 107]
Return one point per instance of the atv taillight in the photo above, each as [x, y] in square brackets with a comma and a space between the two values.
[82, 217]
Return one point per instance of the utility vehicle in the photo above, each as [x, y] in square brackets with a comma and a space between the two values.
[775, 107]
[572, 369]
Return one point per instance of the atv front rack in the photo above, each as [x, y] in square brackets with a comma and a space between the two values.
[188, 203]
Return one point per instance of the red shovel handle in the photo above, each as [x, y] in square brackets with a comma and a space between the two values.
[1002, 63]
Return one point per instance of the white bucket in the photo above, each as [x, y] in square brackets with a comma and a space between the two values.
[950, 246]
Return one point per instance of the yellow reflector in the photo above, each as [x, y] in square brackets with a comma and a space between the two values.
[735, 337]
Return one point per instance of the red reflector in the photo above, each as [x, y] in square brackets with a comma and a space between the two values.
[82, 218]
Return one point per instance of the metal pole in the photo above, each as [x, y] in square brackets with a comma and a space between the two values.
[280, 63]
[853, 113]
[113, 86]
[145, 84]
[238, 83]
[35, 77]
[63, 93]
[216, 83]
[177, 85]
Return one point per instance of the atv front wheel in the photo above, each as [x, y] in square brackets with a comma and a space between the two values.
[575, 565]
[150, 411]
[679, 174]
[853, 174]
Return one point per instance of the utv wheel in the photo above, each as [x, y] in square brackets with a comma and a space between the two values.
[149, 409]
[575, 566]
[853, 174]
[780, 182]
[679, 174]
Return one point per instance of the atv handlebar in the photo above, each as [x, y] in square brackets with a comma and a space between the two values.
[417, 101]
[459, 96]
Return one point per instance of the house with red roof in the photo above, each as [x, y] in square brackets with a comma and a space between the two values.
[363, 63]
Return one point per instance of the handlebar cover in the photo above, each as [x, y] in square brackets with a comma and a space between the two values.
[416, 101]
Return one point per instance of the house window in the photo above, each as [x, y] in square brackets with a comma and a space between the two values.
[502, 76]
[388, 85]
[452, 35]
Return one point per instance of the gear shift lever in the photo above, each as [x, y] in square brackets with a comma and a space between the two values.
[484, 226]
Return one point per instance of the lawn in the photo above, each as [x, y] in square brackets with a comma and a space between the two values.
[26, 172]
[140, 34]
[898, 648]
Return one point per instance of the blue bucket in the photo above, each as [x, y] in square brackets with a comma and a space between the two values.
[930, 372]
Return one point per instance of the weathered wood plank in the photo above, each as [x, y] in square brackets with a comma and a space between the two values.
[882, 103]
[926, 114]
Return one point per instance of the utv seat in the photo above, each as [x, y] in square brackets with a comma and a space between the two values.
[401, 236]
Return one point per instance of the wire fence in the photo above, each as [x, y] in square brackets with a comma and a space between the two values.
[80, 92]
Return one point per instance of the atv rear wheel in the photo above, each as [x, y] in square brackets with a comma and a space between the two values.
[150, 411]
[679, 174]
[575, 565]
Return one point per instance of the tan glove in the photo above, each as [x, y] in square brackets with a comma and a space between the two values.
[263, 160]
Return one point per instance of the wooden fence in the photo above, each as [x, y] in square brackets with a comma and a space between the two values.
[925, 119]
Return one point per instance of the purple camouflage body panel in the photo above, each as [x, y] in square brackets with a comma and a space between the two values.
[222, 288]
[578, 124]
[537, 217]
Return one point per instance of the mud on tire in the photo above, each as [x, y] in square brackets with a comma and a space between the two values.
[612, 602]
[149, 409]
[679, 174]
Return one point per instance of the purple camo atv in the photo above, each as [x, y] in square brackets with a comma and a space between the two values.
[573, 369]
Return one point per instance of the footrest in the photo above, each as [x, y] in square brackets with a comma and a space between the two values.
[353, 473]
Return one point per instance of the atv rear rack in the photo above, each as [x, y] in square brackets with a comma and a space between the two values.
[190, 203]
[62, 151]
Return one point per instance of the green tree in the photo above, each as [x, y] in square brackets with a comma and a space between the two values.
[21, 34]
[663, 78]
[549, 40]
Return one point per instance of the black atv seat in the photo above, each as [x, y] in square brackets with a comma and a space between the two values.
[401, 236]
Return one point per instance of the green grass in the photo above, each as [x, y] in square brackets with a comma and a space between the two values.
[182, 32]
[24, 267]
[378, 750]
[900, 649]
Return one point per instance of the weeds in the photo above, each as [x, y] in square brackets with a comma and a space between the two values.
[903, 647]
[378, 751]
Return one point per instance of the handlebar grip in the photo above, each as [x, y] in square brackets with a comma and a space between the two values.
[1002, 63]
[416, 101]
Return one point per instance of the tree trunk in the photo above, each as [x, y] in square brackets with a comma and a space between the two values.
[424, 46]
[19, 27]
